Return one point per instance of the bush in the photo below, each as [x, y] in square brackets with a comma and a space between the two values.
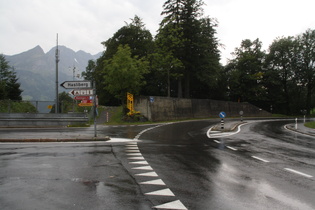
[8, 106]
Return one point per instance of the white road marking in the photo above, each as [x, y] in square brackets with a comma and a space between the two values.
[132, 146]
[165, 192]
[133, 151]
[136, 158]
[172, 205]
[231, 148]
[298, 172]
[258, 158]
[150, 174]
[154, 182]
[140, 163]
[143, 168]
[134, 154]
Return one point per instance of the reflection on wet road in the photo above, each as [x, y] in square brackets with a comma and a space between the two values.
[262, 167]
[173, 166]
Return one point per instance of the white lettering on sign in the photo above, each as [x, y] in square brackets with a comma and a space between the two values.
[76, 84]
[82, 92]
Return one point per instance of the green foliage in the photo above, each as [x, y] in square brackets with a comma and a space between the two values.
[310, 124]
[183, 61]
[8, 106]
[9, 86]
[124, 73]
[68, 104]
[246, 72]
[141, 44]
[190, 39]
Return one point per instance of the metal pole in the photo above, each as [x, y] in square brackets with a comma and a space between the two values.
[57, 96]
[94, 107]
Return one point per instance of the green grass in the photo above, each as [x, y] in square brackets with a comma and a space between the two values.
[310, 124]
[7, 106]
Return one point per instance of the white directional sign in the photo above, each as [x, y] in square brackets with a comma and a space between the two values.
[76, 84]
[82, 92]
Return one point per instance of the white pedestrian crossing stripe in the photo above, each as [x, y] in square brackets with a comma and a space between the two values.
[154, 182]
[140, 162]
[143, 168]
[151, 174]
[172, 205]
[165, 192]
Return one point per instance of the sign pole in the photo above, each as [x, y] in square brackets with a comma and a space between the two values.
[57, 96]
[94, 107]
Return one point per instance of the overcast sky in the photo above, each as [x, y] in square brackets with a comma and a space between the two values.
[84, 24]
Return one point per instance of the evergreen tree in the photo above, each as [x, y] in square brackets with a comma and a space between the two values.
[9, 86]
[197, 47]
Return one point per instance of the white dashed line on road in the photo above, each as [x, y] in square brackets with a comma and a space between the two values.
[231, 148]
[298, 172]
[263, 160]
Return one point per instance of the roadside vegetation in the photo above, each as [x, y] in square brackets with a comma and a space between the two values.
[310, 124]
[8, 106]
[183, 60]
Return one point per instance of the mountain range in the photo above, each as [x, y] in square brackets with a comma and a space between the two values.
[36, 70]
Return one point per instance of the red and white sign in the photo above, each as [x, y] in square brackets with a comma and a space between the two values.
[79, 98]
[87, 101]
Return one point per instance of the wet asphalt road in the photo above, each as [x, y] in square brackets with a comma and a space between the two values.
[264, 166]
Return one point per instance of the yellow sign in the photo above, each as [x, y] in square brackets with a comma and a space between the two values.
[49, 107]
[130, 102]
[85, 104]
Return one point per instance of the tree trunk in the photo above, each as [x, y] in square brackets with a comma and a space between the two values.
[180, 91]
[187, 85]
[309, 97]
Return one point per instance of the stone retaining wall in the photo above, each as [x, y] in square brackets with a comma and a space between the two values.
[157, 108]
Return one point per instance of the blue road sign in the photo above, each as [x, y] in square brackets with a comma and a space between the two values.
[222, 114]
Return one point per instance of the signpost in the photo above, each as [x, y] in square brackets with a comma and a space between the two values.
[222, 115]
[76, 84]
[241, 113]
[83, 91]
[130, 102]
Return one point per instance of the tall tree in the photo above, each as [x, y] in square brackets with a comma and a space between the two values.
[9, 86]
[124, 73]
[183, 19]
[141, 44]
[306, 63]
[280, 75]
[246, 72]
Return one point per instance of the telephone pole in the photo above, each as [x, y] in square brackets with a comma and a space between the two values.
[57, 96]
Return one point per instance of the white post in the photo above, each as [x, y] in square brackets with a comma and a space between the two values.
[296, 124]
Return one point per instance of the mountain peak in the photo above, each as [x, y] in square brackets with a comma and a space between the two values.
[36, 50]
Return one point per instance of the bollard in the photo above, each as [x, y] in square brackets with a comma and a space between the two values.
[296, 124]
[222, 123]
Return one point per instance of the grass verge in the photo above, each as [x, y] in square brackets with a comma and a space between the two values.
[310, 124]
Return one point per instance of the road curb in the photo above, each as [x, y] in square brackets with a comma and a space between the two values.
[55, 140]
[289, 127]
